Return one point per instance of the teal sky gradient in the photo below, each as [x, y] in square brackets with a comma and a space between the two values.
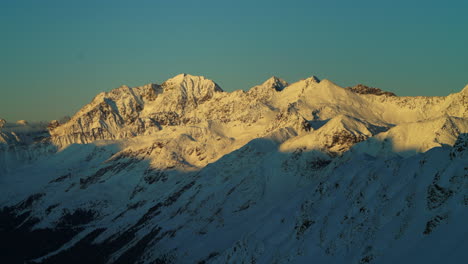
[57, 55]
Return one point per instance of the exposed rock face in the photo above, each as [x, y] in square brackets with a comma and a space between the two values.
[53, 124]
[461, 146]
[362, 89]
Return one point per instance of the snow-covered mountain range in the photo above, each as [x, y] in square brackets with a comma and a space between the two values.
[184, 172]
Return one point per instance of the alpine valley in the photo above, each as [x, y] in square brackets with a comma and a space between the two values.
[184, 172]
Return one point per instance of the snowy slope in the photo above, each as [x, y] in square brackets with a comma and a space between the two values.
[184, 172]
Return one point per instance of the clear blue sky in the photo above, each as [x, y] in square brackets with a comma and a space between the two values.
[56, 55]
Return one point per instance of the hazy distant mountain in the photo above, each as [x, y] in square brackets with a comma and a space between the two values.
[183, 172]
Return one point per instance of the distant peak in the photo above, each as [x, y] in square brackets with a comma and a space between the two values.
[276, 83]
[187, 76]
[185, 79]
[179, 78]
[22, 122]
[314, 79]
[363, 89]
[274, 78]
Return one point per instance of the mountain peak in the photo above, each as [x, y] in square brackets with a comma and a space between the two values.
[309, 80]
[181, 77]
[185, 81]
[185, 76]
[313, 78]
[22, 122]
[363, 89]
[276, 83]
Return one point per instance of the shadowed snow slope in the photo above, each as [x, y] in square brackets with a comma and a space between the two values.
[184, 172]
